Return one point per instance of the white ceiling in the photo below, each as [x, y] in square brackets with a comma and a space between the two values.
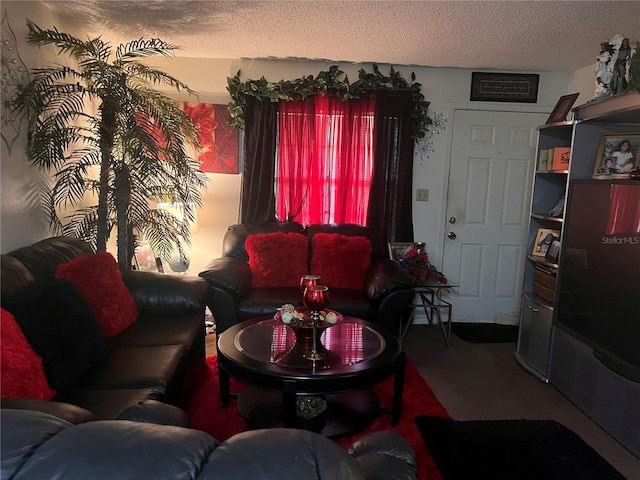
[560, 36]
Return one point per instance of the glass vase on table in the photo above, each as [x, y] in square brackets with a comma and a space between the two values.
[308, 281]
[315, 298]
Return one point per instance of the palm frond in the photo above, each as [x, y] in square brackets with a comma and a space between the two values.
[144, 48]
[50, 75]
[157, 229]
[67, 43]
[156, 77]
[72, 181]
[82, 224]
[48, 206]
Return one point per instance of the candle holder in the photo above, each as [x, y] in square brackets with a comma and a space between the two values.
[308, 281]
[315, 298]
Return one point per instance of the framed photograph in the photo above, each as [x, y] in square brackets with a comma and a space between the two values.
[562, 108]
[544, 240]
[553, 252]
[145, 260]
[619, 154]
[397, 250]
[504, 87]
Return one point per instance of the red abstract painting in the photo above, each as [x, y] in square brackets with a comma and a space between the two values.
[218, 141]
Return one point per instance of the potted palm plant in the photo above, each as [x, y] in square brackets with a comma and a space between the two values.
[113, 145]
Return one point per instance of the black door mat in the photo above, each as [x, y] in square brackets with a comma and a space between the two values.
[485, 332]
[511, 450]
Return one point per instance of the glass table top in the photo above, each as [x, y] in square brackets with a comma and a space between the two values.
[434, 284]
[347, 343]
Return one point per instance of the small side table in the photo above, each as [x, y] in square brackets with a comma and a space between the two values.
[430, 295]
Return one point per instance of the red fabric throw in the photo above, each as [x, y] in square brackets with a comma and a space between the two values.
[20, 367]
[340, 260]
[277, 259]
[206, 414]
[97, 277]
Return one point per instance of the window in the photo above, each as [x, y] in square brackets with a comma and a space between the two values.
[390, 202]
[324, 160]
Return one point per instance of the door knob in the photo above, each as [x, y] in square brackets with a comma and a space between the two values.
[452, 219]
[452, 235]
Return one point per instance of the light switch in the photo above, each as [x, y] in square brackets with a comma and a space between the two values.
[422, 195]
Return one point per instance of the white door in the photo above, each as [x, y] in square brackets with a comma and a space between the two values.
[487, 212]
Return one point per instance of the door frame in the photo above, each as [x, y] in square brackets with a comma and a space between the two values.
[492, 107]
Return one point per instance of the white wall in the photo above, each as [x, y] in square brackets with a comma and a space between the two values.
[443, 87]
[583, 81]
[22, 221]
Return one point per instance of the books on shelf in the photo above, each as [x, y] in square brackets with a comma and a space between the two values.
[542, 160]
[561, 156]
[554, 159]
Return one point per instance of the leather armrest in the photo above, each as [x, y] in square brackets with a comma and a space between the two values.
[153, 411]
[230, 274]
[385, 454]
[384, 442]
[157, 292]
[282, 453]
[42, 446]
[66, 411]
[385, 276]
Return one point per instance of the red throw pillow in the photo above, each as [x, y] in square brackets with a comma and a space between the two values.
[277, 259]
[340, 260]
[21, 370]
[96, 275]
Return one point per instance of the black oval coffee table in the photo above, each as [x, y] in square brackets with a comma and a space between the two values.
[262, 354]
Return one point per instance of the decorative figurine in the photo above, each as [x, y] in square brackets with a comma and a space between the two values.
[603, 74]
[619, 79]
[611, 67]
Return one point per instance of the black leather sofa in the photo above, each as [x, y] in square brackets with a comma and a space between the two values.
[384, 298]
[37, 445]
[158, 358]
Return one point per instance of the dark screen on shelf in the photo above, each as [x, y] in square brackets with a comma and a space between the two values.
[599, 281]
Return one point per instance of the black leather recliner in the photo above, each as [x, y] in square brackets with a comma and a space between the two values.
[38, 445]
[384, 298]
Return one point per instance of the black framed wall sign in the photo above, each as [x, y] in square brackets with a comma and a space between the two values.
[504, 87]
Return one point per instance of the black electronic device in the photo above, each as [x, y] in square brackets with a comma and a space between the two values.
[599, 276]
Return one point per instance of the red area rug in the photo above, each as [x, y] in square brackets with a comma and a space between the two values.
[205, 413]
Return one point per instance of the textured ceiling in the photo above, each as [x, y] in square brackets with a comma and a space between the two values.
[560, 36]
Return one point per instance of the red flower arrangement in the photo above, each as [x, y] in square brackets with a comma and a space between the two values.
[416, 262]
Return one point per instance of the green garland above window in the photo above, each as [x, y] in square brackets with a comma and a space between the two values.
[327, 81]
